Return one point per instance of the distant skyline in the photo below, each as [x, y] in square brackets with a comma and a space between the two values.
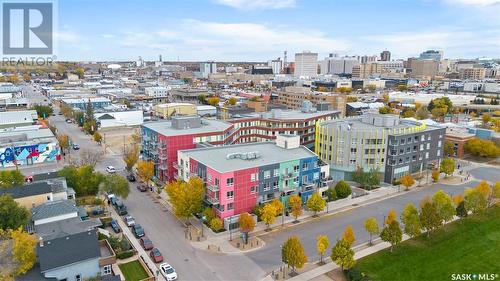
[260, 30]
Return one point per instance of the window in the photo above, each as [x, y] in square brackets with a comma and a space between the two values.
[275, 185]
[230, 194]
[267, 186]
[428, 146]
[439, 143]
[106, 270]
[230, 181]
[252, 189]
[305, 167]
[402, 141]
[427, 155]
[316, 175]
[209, 177]
[276, 172]
[254, 177]
[78, 277]
[267, 174]
[296, 168]
[230, 206]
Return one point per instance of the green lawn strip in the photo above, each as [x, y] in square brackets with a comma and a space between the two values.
[468, 246]
[133, 271]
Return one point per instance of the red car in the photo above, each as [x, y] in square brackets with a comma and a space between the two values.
[146, 243]
[156, 255]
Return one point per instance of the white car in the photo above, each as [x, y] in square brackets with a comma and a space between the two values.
[110, 169]
[129, 220]
[168, 272]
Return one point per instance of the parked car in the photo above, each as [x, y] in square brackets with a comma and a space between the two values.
[131, 178]
[129, 220]
[76, 146]
[168, 272]
[138, 231]
[60, 113]
[142, 188]
[115, 226]
[121, 209]
[97, 211]
[146, 243]
[156, 255]
[68, 121]
[110, 169]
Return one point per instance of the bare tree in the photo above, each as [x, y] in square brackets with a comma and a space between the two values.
[90, 157]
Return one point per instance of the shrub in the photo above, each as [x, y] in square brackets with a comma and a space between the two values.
[124, 254]
[114, 242]
[331, 194]
[216, 224]
[209, 214]
[257, 210]
[124, 244]
[354, 274]
[106, 221]
[342, 189]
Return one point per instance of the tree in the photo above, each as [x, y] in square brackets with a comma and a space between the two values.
[331, 195]
[485, 189]
[422, 113]
[84, 180]
[268, 215]
[366, 180]
[429, 217]
[461, 210]
[145, 170]
[63, 141]
[130, 156]
[247, 224]
[216, 224]
[12, 215]
[457, 199]
[14, 79]
[408, 113]
[90, 126]
[90, 157]
[186, 197]
[26, 78]
[390, 216]
[295, 204]
[278, 206]
[371, 226]
[202, 99]
[97, 137]
[407, 181]
[322, 244]
[232, 101]
[392, 233]
[482, 148]
[79, 118]
[444, 205]
[23, 250]
[447, 166]
[293, 253]
[444, 104]
[349, 235]
[342, 254]
[213, 100]
[80, 72]
[449, 149]
[474, 201]
[386, 110]
[496, 190]
[209, 214]
[116, 184]
[486, 118]
[435, 175]
[342, 189]
[411, 220]
[316, 203]
[43, 111]
[11, 178]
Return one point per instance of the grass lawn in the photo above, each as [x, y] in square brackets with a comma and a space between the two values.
[468, 246]
[133, 271]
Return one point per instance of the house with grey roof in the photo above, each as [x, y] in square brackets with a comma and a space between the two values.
[54, 211]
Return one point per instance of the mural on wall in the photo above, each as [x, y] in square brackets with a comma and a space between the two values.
[29, 154]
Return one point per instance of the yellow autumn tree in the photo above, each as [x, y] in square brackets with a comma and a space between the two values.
[391, 216]
[23, 250]
[349, 235]
[295, 203]
[145, 170]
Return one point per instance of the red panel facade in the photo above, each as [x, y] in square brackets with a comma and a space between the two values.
[174, 144]
[244, 198]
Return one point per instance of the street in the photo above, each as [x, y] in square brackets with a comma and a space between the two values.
[167, 233]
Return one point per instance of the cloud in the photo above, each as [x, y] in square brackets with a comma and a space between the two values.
[453, 42]
[257, 4]
[67, 37]
[195, 39]
[478, 3]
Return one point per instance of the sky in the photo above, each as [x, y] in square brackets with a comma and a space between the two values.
[260, 30]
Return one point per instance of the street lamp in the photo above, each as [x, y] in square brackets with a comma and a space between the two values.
[203, 219]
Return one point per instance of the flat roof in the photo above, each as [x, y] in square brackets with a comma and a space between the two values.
[289, 114]
[208, 126]
[269, 152]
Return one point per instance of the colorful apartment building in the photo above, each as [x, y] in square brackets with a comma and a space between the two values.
[162, 139]
[240, 176]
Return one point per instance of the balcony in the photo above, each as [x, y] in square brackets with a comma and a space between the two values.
[176, 165]
[163, 167]
[308, 187]
[288, 175]
[146, 137]
[162, 156]
[212, 187]
[212, 200]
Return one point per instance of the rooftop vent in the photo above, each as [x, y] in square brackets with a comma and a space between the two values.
[244, 155]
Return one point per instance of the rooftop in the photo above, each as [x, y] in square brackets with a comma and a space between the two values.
[219, 158]
[291, 114]
[17, 117]
[67, 250]
[207, 126]
[53, 209]
[65, 227]
[35, 188]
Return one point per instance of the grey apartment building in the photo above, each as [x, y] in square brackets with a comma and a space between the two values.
[392, 145]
